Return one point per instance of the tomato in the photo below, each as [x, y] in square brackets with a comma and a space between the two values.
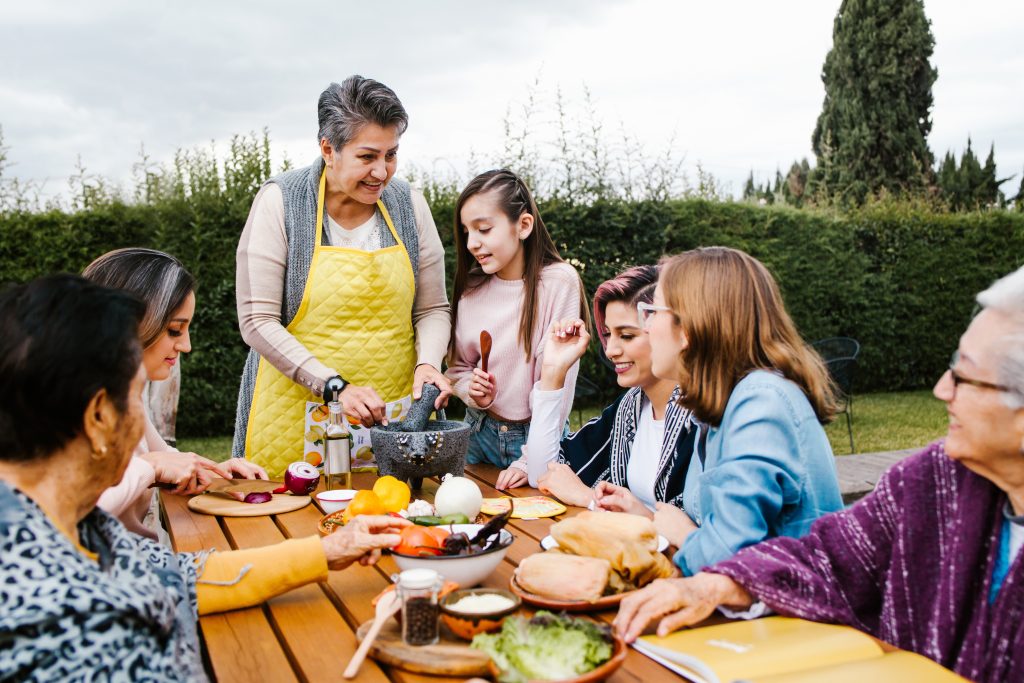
[416, 540]
[439, 533]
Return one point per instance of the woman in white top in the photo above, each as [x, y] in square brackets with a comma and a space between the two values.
[632, 457]
[168, 290]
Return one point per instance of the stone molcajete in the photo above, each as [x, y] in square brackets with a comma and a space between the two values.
[416, 448]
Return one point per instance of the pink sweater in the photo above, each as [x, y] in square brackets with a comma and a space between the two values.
[496, 306]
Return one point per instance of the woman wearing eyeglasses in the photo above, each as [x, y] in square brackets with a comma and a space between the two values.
[640, 446]
[931, 560]
[719, 328]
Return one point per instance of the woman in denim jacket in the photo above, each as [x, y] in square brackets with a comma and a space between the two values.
[718, 326]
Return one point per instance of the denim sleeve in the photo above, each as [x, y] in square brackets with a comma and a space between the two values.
[758, 471]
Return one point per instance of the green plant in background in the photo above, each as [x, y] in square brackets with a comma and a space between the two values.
[898, 275]
[872, 133]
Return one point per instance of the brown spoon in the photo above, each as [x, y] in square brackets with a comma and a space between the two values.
[485, 349]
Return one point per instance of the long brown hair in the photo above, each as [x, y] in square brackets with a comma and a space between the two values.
[539, 250]
[731, 312]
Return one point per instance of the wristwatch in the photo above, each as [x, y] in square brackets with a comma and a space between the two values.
[333, 388]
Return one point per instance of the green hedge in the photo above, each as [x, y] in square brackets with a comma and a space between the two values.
[899, 278]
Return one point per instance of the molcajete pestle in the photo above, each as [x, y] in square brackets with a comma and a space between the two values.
[440, 448]
[419, 412]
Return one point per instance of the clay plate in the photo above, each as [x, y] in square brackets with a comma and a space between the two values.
[602, 672]
[604, 602]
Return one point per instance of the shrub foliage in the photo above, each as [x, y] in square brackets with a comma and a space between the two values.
[898, 276]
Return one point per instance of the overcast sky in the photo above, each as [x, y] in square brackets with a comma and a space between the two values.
[736, 83]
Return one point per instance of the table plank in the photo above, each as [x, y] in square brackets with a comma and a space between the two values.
[232, 633]
[312, 627]
[317, 639]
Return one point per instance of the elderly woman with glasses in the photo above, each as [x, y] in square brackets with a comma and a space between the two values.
[83, 598]
[930, 561]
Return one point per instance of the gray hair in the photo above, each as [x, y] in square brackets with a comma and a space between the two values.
[344, 109]
[1006, 295]
[158, 279]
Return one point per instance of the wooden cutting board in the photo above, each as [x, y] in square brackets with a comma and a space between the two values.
[450, 656]
[215, 504]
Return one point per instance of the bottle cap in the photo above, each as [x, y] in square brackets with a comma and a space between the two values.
[418, 578]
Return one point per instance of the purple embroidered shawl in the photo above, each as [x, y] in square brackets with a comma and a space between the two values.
[910, 564]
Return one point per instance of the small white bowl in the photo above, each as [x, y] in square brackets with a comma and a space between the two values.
[332, 501]
[467, 571]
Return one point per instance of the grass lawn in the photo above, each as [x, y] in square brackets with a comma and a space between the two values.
[881, 422]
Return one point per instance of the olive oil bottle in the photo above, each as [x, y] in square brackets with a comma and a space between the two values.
[338, 450]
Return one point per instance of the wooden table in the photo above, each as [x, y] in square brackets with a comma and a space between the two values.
[308, 634]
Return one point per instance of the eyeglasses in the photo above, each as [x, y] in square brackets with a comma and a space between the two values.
[959, 379]
[646, 311]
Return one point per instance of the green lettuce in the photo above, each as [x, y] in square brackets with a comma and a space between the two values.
[546, 647]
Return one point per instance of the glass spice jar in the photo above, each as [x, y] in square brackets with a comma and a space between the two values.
[418, 589]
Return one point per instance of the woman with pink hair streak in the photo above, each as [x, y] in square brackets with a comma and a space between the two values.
[635, 454]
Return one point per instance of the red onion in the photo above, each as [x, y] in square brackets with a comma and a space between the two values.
[258, 497]
[301, 478]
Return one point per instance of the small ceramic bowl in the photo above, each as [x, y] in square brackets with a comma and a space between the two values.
[333, 501]
[466, 625]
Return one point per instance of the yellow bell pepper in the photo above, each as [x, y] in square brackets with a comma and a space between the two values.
[393, 494]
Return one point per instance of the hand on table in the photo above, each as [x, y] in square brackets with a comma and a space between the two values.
[240, 468]
[364, 404]
[511, 478]
[673, 523]
[362, 539]
[428, 374]
[483, 388]
[564, 484]
[678, 603]
[613, 498]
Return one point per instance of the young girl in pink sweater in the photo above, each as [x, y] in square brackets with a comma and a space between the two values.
[510, 282]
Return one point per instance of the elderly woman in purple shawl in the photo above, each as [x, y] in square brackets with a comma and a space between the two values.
[930, 561]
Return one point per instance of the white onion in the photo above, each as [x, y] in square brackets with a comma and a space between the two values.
[301, 478]
[458, 494]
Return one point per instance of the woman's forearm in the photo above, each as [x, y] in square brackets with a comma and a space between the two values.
[431, 314]
[546, 424]
[243, 578]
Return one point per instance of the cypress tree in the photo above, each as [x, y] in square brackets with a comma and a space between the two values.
[872, 133]
[749, 189]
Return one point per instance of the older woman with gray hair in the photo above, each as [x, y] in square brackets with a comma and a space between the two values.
[83, 598]
[340, 287]
[931, 560]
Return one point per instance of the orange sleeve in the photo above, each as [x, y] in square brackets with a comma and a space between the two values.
[243, 578]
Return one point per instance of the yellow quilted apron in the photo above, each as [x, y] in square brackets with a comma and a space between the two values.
[356, 317]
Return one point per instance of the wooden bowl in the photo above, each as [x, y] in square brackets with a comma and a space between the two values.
[466, 625]
[619, 650]
[330, 523]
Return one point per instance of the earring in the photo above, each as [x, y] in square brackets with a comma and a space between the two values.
[102, 453]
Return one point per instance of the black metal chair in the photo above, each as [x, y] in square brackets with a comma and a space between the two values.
[840, 356]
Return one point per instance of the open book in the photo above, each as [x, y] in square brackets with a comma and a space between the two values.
[776, 649]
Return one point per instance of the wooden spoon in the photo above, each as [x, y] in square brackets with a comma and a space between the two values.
[386, 608]
[485, 349]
